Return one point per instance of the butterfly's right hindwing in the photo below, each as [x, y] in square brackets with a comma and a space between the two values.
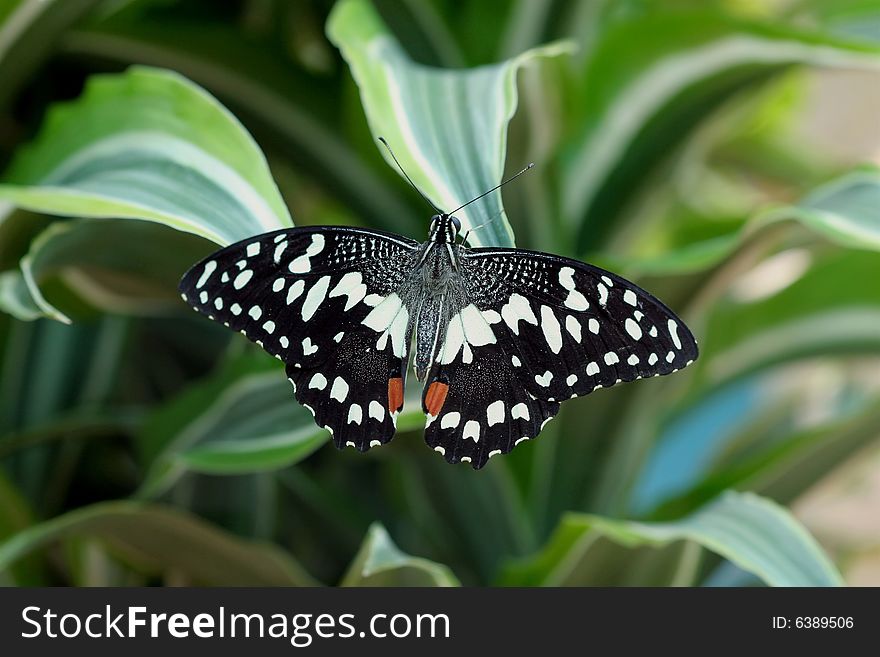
[323, 301]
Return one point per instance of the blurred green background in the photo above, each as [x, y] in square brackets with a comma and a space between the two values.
[722, 154]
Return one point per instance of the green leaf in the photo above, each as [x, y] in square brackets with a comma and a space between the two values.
[638, 102]
[380, 562]
[447, 127]
[845, 211]
[148, 144]
[122, 267]
[821, 313]
[15, 297]
[242, 419]
[160, 540]
[753, 533]
[780, 467]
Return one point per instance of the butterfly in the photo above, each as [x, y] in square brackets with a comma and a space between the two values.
[501, 336]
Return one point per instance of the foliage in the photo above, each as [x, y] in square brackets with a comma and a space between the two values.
[141, 444]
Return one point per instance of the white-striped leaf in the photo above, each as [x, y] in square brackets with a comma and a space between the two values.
[381, 563]
[148, 144]
[447, 127]
[752, 532]
[683, 60]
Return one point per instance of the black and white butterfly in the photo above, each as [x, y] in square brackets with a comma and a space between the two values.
[502, 336]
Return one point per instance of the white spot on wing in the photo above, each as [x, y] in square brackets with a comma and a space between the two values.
[550, 327]
[544, 379]
[594, 325]
[477, 331]
[571, 380]
[450, 420]
[308, 347]
[352, 286]
[495, 413]
[611, 358]
[253, 249]
[471, 430]
[314, 298]
[242, 279]
[520, 412]
[630, 297]
[255, 312]
[301, 264]
[355, 414]
[339, 390]
[377, 411]
[210, 266]
[295, 291]
[573, 327]
[269, 327]
[673, 333]
[318, 381]
[633, 328]
[381, 317]
[517, 308]
[276, 256]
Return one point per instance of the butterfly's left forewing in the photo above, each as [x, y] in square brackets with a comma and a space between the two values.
[535, 330]
[323, 300]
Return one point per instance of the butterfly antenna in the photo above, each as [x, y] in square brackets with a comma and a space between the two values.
[501, 184]
[427, 200]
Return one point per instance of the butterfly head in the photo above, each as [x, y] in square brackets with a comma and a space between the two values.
[444, 228]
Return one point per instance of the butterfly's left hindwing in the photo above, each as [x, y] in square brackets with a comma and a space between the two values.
[323, 301]
[534, 330]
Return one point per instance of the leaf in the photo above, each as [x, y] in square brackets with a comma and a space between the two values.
[753, 533]
[821, 313]
[845, 211]
[148, 144]
[780, 467]
[243, 419]
[270, 85]
[381, 563]
[638, 102]
[447, 127]
[15, 297]
[162, 540]
[123, 267]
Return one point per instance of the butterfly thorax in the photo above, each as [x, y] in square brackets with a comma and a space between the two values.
[438, 293]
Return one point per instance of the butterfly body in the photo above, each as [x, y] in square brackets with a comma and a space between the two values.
[501, 336]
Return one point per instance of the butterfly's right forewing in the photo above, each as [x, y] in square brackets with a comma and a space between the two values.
[323, 301]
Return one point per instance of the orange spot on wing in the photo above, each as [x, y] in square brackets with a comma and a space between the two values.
[395, 394]
[435, 397]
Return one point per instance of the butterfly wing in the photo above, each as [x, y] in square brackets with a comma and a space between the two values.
[321, 299]
[538, 329]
